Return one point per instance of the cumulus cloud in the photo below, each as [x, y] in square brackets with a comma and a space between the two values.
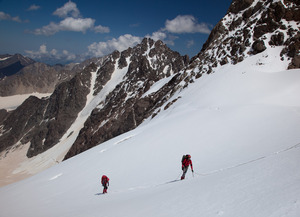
[179, 25]
[186, 24]
[5, 16]
[33, 8]
[68, 24]
[101, 29]
[71, 22]
[76, 25]
[163, 36]
[120, 44]
[50, 29]
[53, 56]
[69, 9]
[159, 35]
[40, 53]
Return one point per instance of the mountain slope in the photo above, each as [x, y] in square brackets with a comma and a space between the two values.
[112, 97]
[243, 138]
[139, 83]
[34, 78]
[248, 28]
[240, 121]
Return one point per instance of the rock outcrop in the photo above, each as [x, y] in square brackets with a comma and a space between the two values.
[249, 28]
[42, 122]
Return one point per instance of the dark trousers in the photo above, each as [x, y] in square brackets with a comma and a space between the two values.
[184, 170]
[105, 187]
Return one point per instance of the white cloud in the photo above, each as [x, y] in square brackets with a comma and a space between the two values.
[159, 35]
[180, 24]
[120, 44]
[101, 29]
[4, 16]
[50, 29]
[37, 54]
[33, 7]
[43, 49]
[163, 36]
[71, 22]
[70, 8]
[53, 56]
[53, 52]
[76, 25]
[186, 24]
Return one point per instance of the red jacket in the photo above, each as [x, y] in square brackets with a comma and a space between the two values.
[104, 180]
[186, 162]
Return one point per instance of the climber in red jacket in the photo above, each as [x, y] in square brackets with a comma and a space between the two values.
[186, 161]
[105, 183]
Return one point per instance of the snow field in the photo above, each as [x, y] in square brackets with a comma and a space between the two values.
[241, 125]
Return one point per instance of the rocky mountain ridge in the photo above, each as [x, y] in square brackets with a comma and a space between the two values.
[11, 64]
[42, 122]
[128, 105]
[249, 28]
[22, 75]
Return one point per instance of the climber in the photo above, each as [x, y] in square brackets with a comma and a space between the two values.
[105, 183]
[186, 161]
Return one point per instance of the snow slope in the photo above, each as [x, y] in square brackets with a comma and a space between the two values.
[241, 125]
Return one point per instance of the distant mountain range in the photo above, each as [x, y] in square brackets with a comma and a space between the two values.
[22, 75]
[11, 64]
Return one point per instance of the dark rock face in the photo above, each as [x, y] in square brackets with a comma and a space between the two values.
[249, 28]
[20, 121]
[36, 77]
[11, 64]
[42, 122]
[127, 106]
[258, 47]
[237, 6]
[3, 114]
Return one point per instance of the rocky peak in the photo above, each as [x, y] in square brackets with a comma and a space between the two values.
[128, 104]
[250, 27]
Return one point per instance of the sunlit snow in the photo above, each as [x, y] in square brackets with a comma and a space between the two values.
[241, 126]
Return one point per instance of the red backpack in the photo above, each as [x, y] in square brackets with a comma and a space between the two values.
[104, 179]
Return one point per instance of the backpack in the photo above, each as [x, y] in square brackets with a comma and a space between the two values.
[183, 158]
[104, 179]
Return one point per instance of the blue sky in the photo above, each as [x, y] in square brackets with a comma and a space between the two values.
[59, 31]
